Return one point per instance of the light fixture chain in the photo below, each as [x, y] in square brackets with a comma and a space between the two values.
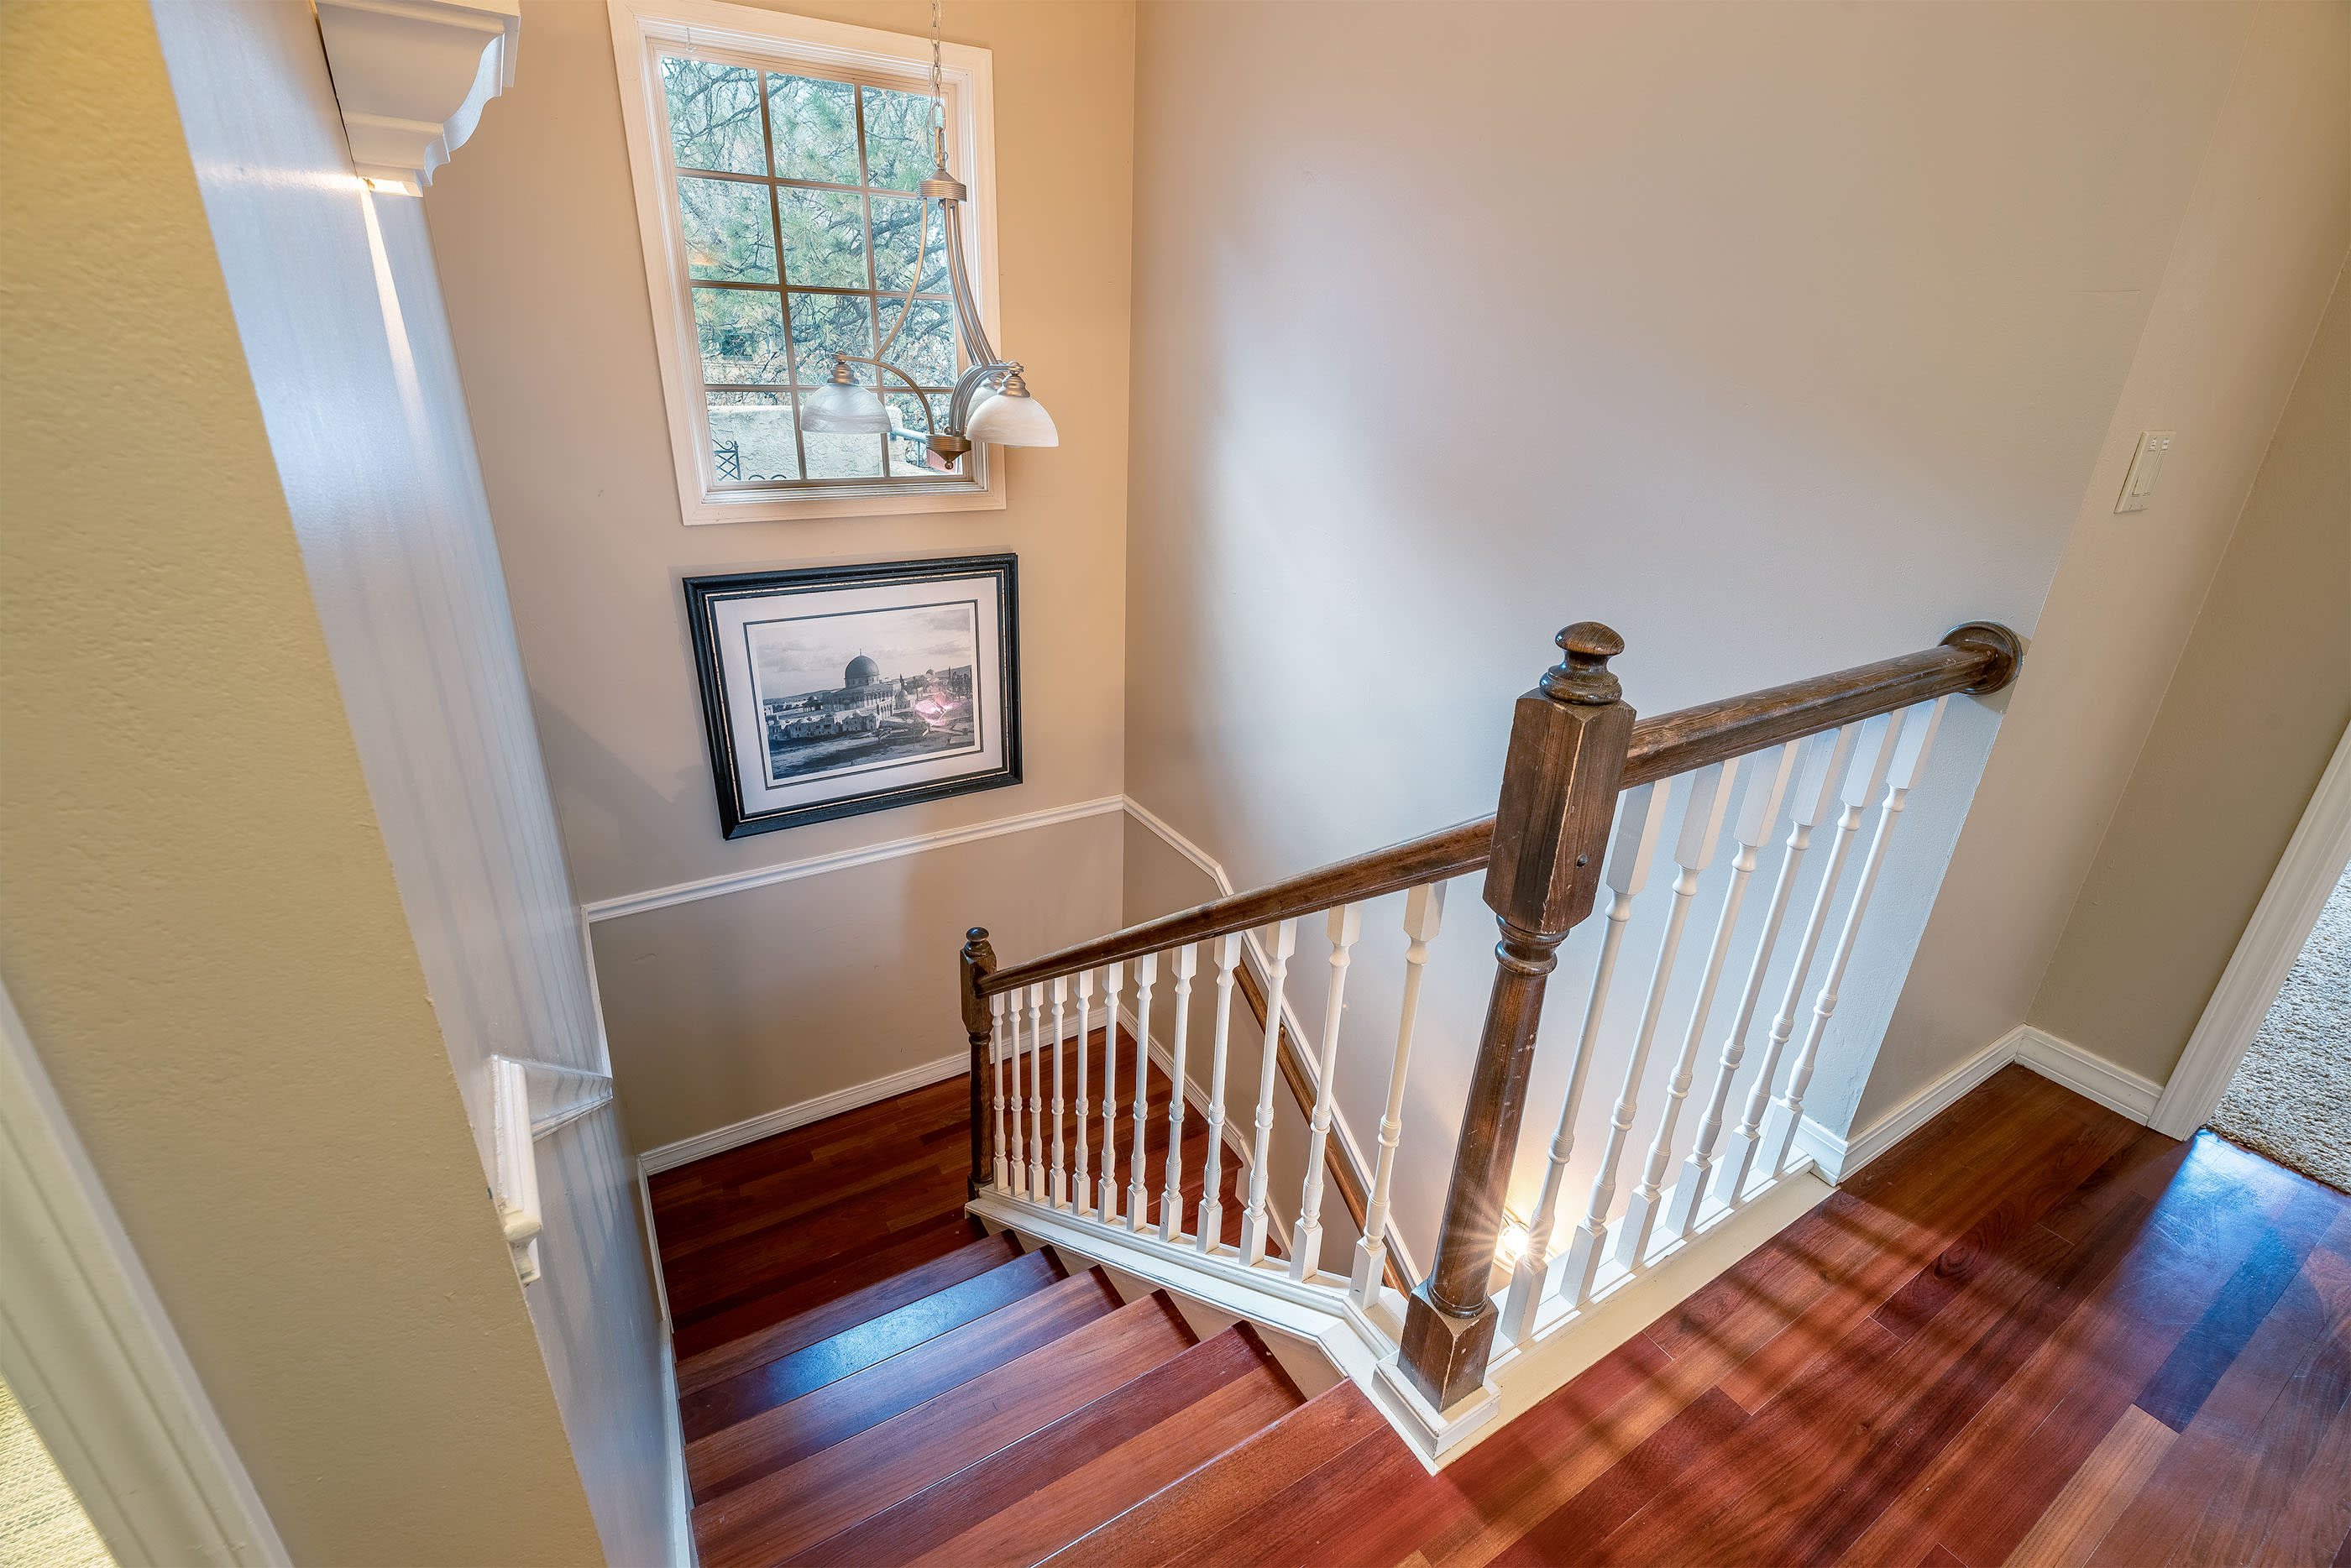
[938, 93]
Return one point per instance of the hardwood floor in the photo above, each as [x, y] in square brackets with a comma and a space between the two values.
[2034, 1334]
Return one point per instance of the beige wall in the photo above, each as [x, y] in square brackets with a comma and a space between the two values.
[1778, 336]
[336, 306]
[813, 985]
[198, 921]
[2261, 699]
[2255, 253]
[535, 229]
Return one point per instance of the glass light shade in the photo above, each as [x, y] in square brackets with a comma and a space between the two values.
[1011, 419]
[843, 408]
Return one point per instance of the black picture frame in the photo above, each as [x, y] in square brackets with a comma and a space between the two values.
[886, 737]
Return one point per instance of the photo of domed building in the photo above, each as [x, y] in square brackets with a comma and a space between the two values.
[870, 717]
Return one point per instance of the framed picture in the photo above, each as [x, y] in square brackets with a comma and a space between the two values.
[837, 689]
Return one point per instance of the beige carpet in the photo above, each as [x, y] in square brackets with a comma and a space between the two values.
[2291, 1099]
[41, 1525]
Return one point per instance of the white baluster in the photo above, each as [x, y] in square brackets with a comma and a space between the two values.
[1694, 854]
[1019, 1100]
[995, 1052]
[1060, 1177]
[1912, 734]
[1255, 1227]
[1767, 787]
[1826, 757]
[1759, 807]
[1138, 1187]
[1171, 1199]
[1080, 1193]
[1701, 819]
[1346, 925]
[1212, 1204]
[1424, 909]
[1113, 979]
[1640, 820]
[1036, 1189]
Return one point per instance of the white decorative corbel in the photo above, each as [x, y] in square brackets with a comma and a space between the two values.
[411, 77]
[529, 1100]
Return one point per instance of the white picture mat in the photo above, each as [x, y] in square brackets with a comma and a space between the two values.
[747, 729]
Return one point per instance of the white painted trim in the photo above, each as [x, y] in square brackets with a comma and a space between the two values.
[843, 860]
[2306, 873]
[718, 1140]
[411, 77]
[1362, 1342]
[1181, 845]
[750, 34]
[89, 1352]
[685, 1552]
[2060, 1061]
[684, 1549]
[1927, 1103]
[2086, 1072]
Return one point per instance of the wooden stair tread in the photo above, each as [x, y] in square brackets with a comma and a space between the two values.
[836, 1279]
[1327, 1516]
[1205, 1504]
[1063, 1479]
[715, 1405]
[886, 1123]
[776, 1257]
[788, 1433]
[788, 1510]
[710, 1239]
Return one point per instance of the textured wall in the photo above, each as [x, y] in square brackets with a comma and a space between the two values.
[198, 919]
[2260, 701]
[337, 310]
[535, 229]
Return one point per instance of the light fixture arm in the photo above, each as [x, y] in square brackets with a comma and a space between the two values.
[921, 401]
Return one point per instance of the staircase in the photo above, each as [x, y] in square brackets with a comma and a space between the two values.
[949, 1397]
[897, 1344]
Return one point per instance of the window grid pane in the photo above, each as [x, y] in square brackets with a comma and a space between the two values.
[776, 216]
[837, 330]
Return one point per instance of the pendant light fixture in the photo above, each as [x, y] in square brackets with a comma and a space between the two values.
[991, 402]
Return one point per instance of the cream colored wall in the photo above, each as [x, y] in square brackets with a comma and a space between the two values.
[336, 306]
[1778, 336]
[198, 919]
[2256, 251]
[535, 234]
[797, 990]
[2262, 697]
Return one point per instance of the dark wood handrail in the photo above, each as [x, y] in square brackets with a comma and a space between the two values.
[1978, 658]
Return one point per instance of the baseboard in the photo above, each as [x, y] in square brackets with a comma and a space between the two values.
[2086, 1072]
[1829, 1152]
[1928, 1103]
[2119, 1089]
[702, 1146]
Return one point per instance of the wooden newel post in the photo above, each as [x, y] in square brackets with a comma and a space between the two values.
[1568, 741]
[978, 961]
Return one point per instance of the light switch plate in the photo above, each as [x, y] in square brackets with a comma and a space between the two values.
[2147, 466]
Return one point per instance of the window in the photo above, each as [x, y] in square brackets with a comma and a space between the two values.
[776, 160]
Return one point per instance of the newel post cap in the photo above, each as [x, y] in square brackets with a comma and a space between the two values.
[1583, 676]
[978, 958]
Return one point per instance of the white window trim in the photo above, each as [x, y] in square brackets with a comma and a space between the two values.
[893, 59]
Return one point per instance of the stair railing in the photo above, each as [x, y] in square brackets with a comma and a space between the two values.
[1587, 794]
